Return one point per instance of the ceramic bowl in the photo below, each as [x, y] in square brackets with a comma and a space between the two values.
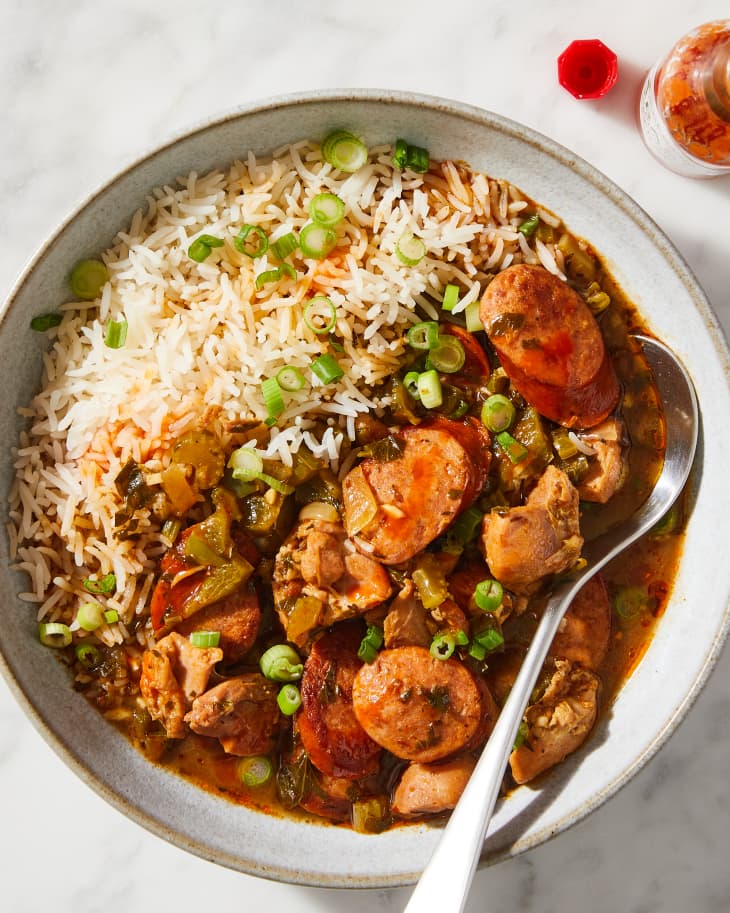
[688, 638]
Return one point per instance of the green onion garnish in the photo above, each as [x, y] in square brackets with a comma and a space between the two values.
[245, 464]
[516, 451]
[630, 602]
[116, 334]
[285, 245]
[488, 595]
[54, 634]
[90, 616]
[465, 527]
[88, 655]
[106, 584]
[111, 616]
[443, 646]
[288, 270]
[451, 297]
[320, 315]
[529, 226]
[370, 644]
[498, 413]
[254, 247]
[424, 335]
[290, 378]
[88, 278]
[284, 488]
[522, 734]
[202, 246]
[255, 771]
[429, 389]
[281, 663]
[326, 209]
[268, 275]
[316, 241]
[327, 369]
[273, 400]
[204, 639]
[490, 639]
[448, 356]
[477, 651]
[417, 159]
[344, 151]
[471, 317]
[400, 156]
[45, 321]
[289, 700]
[410, 382]
[410, 250]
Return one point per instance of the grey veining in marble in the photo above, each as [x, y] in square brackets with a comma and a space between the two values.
[85, 87]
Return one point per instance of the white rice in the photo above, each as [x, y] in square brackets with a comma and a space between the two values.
[201, 339]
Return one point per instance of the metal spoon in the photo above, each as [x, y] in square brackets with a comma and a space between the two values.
[445, 882]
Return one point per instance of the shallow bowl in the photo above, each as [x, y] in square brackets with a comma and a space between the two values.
[688, 638]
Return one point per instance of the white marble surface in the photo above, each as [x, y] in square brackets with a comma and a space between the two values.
[87, 86]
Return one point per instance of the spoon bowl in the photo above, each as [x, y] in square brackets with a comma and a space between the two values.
[444, 884]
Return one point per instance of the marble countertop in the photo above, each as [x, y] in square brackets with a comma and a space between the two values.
[88, 86]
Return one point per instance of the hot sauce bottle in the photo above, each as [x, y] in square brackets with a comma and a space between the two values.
[684, 111]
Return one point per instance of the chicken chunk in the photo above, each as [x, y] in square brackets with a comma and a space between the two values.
[174, 673]
[606, 471]
[319, 579]
[429, 789]
[542, 537]
[405, 624]
[241, 712]
[558, 722]
[585, 630]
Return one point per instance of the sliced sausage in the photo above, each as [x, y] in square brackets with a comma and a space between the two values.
[418, 707]
[429, 789]
[241, 712]
[335, 741]
[550, 345]
[585, 630]
[414, 498]
[237, 618]
[525, 544]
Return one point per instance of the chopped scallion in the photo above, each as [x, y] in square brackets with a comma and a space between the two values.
[205, 639]
[202, 246]
[498, 413]
[429, 389]
[111, 616]
[90, 616]
[320, 314]
[88, 278]
[344, 151]
[281, 663]
[290, 378]
[115, 334]
[443, 646]
[106, 584]
[326, 209]
[488, 595]
[251, 241]
[417, 159]
[370, 644]
[326, 368]
[410, 250]
[529, 226]
[54, 634]
[316, 241]
[289, 700]
[423, 335]
[45, 321]
[516, 451]
[400, 156]
[267, 276]
[451, 297]
[410, 382]
[245, 464]
[273, 400]
[448, 356]
[285, 245]
[471, 317]
[255, 771]
[88, 655]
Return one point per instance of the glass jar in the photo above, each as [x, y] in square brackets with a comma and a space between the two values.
[684, 109]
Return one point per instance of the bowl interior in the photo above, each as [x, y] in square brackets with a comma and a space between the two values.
[688, 638]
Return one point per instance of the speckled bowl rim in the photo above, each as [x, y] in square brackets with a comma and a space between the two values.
[675, 261]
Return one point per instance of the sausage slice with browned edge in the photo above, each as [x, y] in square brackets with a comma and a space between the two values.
[416, 706]
[395, 508]
[333, 738]
[550, 345]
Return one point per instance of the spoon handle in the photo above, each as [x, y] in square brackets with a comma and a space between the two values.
[444, 884]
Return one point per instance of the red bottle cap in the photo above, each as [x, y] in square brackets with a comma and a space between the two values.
[587, 69]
